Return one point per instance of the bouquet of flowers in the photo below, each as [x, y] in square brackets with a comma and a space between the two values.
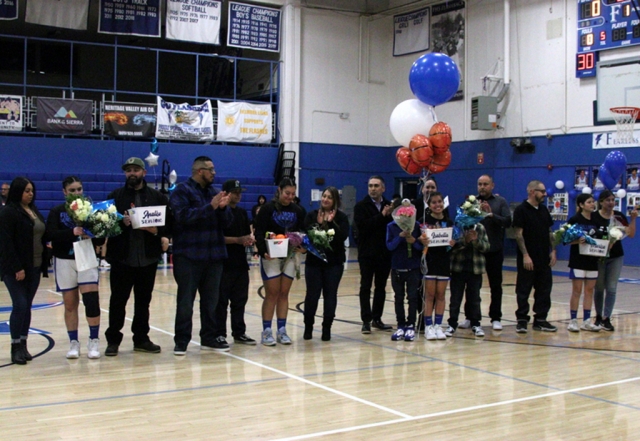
[405, 217]
[78, 208]
[321, 238]
[467, 215]
[103, 220]
[568, 233]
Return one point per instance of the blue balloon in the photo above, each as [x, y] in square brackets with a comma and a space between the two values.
[573, 193]
[434, 78]
[616, 164]
[606, 178]
[154, 146]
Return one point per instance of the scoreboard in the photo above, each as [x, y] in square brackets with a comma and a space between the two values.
[604, 24]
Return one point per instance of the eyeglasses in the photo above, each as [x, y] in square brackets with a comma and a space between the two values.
[541, 191]
[430, 186]
[210, 169]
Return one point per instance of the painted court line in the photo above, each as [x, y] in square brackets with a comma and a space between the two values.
[456, 411]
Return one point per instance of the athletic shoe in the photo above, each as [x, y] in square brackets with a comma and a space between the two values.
[148, 346]
[465, 325]
[282, 337]
[267, 338]
[496, 325]
[598, 321]
[543, 325]
[398, 335]
[219, 345]
[93, 348]
[440, 335]
[588, 326]
[521, 327]
[477, 330]
[431, 333]
[74, 350]
[449, 331]
[606, 325]
[180, 349]
[104, 264]
[366, 328]
[111, 351]
[410, 333]
[244, 339]
[573, 326]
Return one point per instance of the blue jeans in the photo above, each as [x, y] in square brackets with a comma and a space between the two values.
[196, 276]
[608, 275]
[22, 294]
[322, 280]
[410, 279]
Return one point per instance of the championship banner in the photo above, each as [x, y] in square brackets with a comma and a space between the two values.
[69, 14]
[447, 35]
[10, 113]
[244, 122]
[58, 115]
[184, 121]
[130, 119]
[8, 9]
[130, 17]
[411, 32]
[197, 21]
[253, 27]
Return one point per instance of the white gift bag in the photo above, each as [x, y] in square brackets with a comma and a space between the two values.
[85, 255]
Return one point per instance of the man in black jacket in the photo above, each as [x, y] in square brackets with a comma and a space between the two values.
[134, 256]
[371, 216]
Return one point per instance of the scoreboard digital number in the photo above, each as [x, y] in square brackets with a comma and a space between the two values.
[604, 24]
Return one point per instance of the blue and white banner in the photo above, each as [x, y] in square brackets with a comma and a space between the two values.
[130, 17]
[69, 14]
[253, 27]
[11, 117]
[608, 140]
[411, 32]
[58, 115]
[244, 122]
[8, 9]
[184, 121]
[195, 20]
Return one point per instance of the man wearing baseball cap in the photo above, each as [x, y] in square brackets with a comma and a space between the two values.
[134, 256]
[234, 285]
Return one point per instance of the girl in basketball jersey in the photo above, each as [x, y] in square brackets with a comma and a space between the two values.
[581, 180]
[632, 183]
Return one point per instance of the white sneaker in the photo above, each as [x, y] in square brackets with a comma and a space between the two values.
[74, 349]
[449, 331]
[431, 333]
[573, 326]
[496, 325]
[465, 325]
[477, 330]
[588, 325]
[282, 337]
[440, 335]
[93, 348]
[104, 264]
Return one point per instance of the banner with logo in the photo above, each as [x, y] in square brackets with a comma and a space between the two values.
[608, 140]
[184, 121]
[58, 115]
[244, 122]
[195, 21]
[8, 9]
[130, 119]
[11, 119]
[411, 32]
[130, 17]
[253, 27]
[69, 14]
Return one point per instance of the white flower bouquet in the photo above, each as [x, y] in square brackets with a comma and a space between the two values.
[104, 220]
[78, 207]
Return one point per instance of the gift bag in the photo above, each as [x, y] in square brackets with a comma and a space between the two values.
[85, 255]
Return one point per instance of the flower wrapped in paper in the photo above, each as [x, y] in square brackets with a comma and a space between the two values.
[467, 215]
[316, 241]
[405, 217]
[103, 220]
[569, 233]
[78, 207]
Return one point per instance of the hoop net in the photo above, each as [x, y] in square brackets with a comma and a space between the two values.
[625, 118]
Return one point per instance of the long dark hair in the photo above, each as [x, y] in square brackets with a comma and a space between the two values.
[70, 180]
[335, 195]
[18, 185]
[581, 199]
[285, 182]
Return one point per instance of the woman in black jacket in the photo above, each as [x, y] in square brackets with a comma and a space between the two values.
[23, 257]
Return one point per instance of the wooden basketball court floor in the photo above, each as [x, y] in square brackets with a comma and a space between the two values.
[505, 386]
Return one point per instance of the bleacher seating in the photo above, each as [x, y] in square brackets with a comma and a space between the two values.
[99, 185]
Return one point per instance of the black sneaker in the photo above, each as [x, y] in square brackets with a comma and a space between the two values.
[543, 325]
[598, 321]
[111, 351]
[366, 328]
[244, 339]
[148, 347]
[378, 324]
[521, 327]
[606, 325]
[219, 345]
[180, 349]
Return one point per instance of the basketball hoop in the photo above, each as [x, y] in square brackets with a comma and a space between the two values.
[625, 118]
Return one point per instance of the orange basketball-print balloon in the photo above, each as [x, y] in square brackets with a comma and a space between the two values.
[421, 151]
[440, 137]
[403, 155]
[440, 162]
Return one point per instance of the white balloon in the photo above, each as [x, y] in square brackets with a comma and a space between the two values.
[152, 159]
[586, 190]
[411, 118]
[559, 185]
[621, 193]
[173, 177]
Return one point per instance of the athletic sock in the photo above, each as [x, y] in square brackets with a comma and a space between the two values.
[266, 324]
[439, 319]
[73, 335]
[574, 314]
[428, 321]
[586, 313]
[282, 323]
[94, 332]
